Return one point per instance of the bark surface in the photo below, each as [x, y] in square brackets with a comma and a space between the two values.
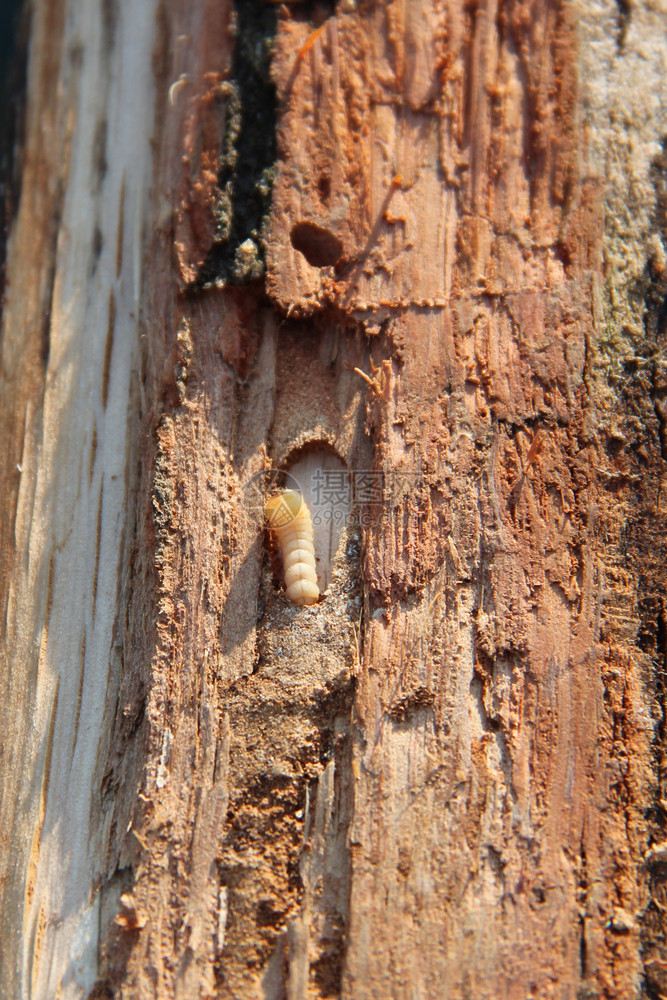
[392, 252]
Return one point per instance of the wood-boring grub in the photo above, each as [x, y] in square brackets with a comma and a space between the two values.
[291, 523]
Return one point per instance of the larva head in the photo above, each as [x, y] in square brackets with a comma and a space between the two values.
[283, 508]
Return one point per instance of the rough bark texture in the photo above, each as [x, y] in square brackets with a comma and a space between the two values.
[415, 261]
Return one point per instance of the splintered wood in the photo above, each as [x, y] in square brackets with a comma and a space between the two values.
[429, 188]
[446, 776]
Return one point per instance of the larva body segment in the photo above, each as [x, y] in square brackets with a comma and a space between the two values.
[289, 519]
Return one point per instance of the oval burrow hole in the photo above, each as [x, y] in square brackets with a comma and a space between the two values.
[318, 245]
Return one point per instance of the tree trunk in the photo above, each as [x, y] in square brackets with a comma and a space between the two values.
[412, 255]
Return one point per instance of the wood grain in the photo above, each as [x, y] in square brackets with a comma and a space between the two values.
[446, 778]
[486, 692]
[69, 345]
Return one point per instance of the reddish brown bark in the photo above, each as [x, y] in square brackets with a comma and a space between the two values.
[484, 829]
[435, 781]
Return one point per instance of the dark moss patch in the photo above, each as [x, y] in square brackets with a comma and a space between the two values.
[246, 171]
[14, 33]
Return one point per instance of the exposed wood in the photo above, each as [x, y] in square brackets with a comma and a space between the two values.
[69, 350]
[445, 778]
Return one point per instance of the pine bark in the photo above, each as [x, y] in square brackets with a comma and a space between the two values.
[417, 248]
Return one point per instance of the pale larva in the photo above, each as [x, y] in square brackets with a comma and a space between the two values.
[289, 519]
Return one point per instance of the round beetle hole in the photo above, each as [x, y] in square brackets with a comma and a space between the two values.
[320, 247]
